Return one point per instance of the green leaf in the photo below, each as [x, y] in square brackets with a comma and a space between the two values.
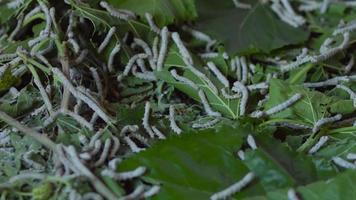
[245, 31]
[194, 165]
[165, 12]
[7, 80]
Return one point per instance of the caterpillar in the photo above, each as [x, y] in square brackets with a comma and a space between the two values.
[324, 121]
[151, 23]
[251, 142]
[343, 163]
[203, 77]
[113, 52]
[229, 96]
[152, 191]
[131, 62]
[134, 148]
[183, 79]
[158, 133]
[207, 124]
[78, 118]
[244, 75]
[104, 153]
[331, 52]
[172, 121]
[350, 27]
[120, 14]
[292, 194]
[319, 144]
[236, 187]
[147, 51]
[114, 163]
[122, 176]
[350, 64]
[145, 120]
[351, 156]
[218, 74]
[258, 86]
[241, 154]
[17, 28]
[206, 105]
[163, 48]
[241, 88]
[330, 82]
[284, 105]
[107, 38]
[350, 92]
[182, 49]
[115, 148]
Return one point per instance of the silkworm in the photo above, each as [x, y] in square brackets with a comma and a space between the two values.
[92, 104]
[296, 64]
[351, 156]
[350, 64]
[116, 146]
[207, 124]
[134, 148]
[292, 194]
[343, 163]
[104, 153]
[241, 5]
[223, 80]
[324, 6]
[324, 121]
[241, 88]
[209, 55]
[43, 92]
[282, 15]
[330, 82]
[74, 44]
[157, 132]
[284, 105]
[234, 188]
[33, 12]
[184, 80]
[350, 27]
[155, 49]
[172, 121]
[182, 49]
[333, 51]
[145, 120]
[131, 62]
[206, 105]
[97, 80]
[251, 142]
[97, 147]
[120, 14]
[152, 191]
[128, 128]
[140, 138]
[151, 23]
[319, 144]
[122, 176]
[241, 154]
[229, 96]
[326, 45]
[112, 55]
[14, 4]
[149, 76]
[147, 51]
[92, 196]
[292, 125]
[107, 39]
[244, 68]
[82, 121]
[136, 194]
[47, 28]
[258, 86]
[201, 36]
[350, 92]
[7, 57]
[17, 28]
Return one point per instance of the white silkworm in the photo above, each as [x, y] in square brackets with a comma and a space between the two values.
[292, 125]
[184, 80]
[296, 64]
[129, 64]
[241, 88]
[47, 28]
[236, 187]
[104, 153]
[33, 12]
[107, 39]
[140, 138]
[136, 194]
[324, 6]
[326, 45]
[229, 96]
[134, 148]
[147, 50]
[241, 154]
[149, 76]
[241, 5]
[351, 156]
[92, 196]
[292, 194]
[120, 14]
[333, 51]
[43, 92]
[157, 132]
[152, 191]
[74, 44]
[209, 55]
[145, 120]
[27, 158]
[172, 121]
[7, 57]
[244, 68]
[207, 124]
[14, 4]
[112, 55]
[330, 82]
[218, 74]
[83, 139]
[343, 163]
[350, 92]
[79, 95]
[122, 176]
[258, 86]
[128, 128]
[319, 144]
[97, 80]
[151, 23]
[206, 105]
[350, 27]
[251, 142]
[155, 49]
[350, 64]
[115, 148]
[324, 121]
[81, 120]
[163, 48]
[284, 105]
[97, 147]
[17, 28]
[182, 49]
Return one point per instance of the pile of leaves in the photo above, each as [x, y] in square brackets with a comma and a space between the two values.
[177, 99]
